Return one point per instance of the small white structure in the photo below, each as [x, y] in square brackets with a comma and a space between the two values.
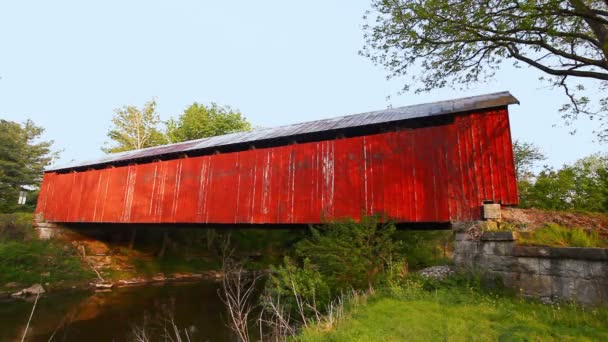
[22, 197]
[23, 192]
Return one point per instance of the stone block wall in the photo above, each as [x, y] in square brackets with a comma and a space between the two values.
[578, 274]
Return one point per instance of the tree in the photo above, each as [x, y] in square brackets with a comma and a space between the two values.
[200, 121]
[457, 42]
[22, 159]
[580, 186]
[135, 128]
[526, 155]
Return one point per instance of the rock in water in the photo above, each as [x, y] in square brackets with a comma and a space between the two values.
[437, 272]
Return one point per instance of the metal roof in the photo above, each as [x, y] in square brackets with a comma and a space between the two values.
[343, 122]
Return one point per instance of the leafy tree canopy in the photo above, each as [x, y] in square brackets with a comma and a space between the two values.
[200, 121]
[452, 42]
[22, 159]
[134, 128]
[581, 186]
[526, 156]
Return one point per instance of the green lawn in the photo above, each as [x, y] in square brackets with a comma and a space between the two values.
[461, 315]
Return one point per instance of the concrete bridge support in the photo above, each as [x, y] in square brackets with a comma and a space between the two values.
[549, 273]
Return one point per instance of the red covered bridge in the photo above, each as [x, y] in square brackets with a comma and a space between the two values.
[435, 162]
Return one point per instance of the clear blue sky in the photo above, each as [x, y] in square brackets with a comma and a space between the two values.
[67, 65]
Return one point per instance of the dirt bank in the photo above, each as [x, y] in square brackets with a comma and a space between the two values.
[529, 219]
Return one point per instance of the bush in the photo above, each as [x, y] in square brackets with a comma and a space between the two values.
[16, 226]
[350, 254]
[288, 281]
[555, 235]
[336, 258]
[425, 248]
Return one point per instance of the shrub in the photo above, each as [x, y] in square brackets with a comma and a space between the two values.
[350, 254]
[396, 278]
[558, 236]
[16, 226]
[288, 281]
[425, 248]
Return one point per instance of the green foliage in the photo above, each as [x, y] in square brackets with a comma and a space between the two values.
[39, 261]
[395, 279]
[31, 201]
[474, 282]
[288, 280]
[16, 226]
[581, 186]
[526, 155]
[265, 247]
[198, 250]
[557, 236]
[350, 254]
[424, 248]
[135, 128]
[26, 260]
[442, 43]
[335, 258]
[169, 264]
[23, 157]
[200, 121]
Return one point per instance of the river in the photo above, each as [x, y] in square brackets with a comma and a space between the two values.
[113, 315]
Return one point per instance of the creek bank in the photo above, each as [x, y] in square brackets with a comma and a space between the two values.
[104, 257]
[27, 293]
[158, 278]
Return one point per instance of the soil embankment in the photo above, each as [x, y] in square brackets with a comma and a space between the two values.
[530, 219]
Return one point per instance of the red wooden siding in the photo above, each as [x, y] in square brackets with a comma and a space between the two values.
[430, 174]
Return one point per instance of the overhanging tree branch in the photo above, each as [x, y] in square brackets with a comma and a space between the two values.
[514, 51]
[451, 42]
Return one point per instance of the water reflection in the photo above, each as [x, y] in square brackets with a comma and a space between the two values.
[111, 316]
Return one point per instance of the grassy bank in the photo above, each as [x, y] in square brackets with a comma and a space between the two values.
[35, 261]
[460, 313]
[25, 260]
[555, 235]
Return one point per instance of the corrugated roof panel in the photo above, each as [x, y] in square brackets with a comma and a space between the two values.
[343, 122]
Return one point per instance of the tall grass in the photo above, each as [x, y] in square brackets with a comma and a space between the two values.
[554, 235]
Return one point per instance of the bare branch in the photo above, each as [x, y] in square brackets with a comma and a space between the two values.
[238, 286]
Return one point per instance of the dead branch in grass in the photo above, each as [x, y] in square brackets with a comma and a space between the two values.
[238, 287]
